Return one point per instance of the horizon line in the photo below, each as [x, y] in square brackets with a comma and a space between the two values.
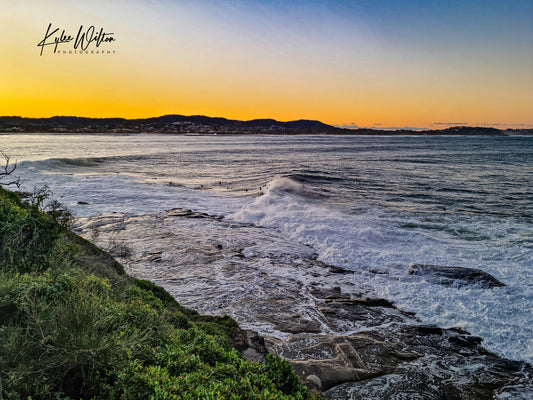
[351, 126]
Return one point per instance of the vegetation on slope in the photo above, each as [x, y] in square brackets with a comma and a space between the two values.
[75, 326]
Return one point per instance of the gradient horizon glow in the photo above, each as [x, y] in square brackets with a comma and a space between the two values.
[421, 64]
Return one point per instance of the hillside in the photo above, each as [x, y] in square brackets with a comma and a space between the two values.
[75, 326]
[199, 124]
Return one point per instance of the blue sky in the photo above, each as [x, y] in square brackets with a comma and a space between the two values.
[393, 63]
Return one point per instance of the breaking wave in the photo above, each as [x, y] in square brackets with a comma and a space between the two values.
[379, 245]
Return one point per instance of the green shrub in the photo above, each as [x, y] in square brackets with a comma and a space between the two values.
[67, 333]
[29, 236]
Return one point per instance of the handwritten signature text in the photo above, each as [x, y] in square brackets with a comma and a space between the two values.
[83, 40]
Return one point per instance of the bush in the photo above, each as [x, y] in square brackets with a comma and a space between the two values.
[70, 334]
[65, 332]
[27, 236]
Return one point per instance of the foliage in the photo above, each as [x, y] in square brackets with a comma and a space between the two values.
[27, 235]
[69, 332]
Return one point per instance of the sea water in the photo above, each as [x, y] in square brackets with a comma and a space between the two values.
[373, 205]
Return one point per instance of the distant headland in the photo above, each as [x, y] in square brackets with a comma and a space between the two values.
[199, 124]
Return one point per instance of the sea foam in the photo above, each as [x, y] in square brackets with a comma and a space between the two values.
[379, 247]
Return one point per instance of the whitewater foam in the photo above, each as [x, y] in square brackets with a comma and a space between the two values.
[372, 241]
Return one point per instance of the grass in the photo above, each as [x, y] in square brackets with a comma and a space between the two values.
[75, 326]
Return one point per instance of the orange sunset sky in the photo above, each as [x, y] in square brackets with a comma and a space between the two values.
[422, 64]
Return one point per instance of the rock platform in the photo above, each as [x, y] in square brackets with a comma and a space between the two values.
[340, 340]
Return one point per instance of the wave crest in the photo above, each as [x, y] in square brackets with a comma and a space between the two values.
[288, 185]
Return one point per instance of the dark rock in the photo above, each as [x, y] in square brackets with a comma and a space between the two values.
[425, 330]
[181, 212]
[374, 302]
[338, 270]
[465, 341]
[377, 271]
[83, 203]
[455, 276]
[238, 253]
[154, 258]
[256, 350]
[515, 392]
[400, 361]
[256, 341]
[329, 293]
[397, 362]
[198, 215]
[460, 331]
[348, 315]
[313, 382]
[338, 297]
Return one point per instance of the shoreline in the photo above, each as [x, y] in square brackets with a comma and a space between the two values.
[201, 124]
[338, 339]
[191, 134]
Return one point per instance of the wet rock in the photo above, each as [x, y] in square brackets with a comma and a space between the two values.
[297, 325]
[400, 361]
[373, 302]
[315, 355]
[338, 270]
[515, 392]
[377, 271]
[329, 293]
[455, 276]
[256, 350]
[338, 338]
[436, 377]
[397, 362]
[256, 341]
[465, 341]
[153, 257]
[345, 315]
[181, 212]
[238, 253]
[425, 330]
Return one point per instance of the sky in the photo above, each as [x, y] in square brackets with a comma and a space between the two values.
[383, 64]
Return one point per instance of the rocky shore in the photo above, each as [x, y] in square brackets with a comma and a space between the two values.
[339, 339]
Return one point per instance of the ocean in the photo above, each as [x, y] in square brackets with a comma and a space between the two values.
[373, 205]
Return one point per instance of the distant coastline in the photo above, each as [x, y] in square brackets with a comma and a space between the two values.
[199, 124]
